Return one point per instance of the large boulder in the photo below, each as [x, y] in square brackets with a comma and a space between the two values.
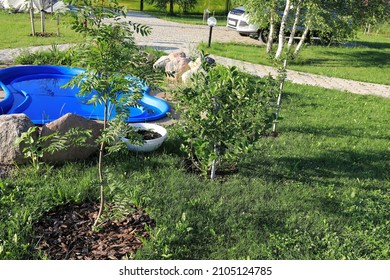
[11, 128]
[177, 55]
[64, 124]
[177, 67]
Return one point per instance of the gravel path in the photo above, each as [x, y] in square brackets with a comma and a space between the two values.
[170, 36]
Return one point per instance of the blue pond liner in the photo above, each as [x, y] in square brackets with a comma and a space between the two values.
[37, 92]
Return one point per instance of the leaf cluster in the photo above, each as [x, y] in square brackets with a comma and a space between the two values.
[35, 146]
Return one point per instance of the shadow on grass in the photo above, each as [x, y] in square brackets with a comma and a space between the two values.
[331, 167]
[361, 59]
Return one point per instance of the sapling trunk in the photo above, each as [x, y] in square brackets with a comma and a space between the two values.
[32, 18]
[282, 75]
[42, 18]
[214, 164]
[58, 24]
[101, 181]
[101, 177]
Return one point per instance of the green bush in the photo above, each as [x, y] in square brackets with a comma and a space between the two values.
[223, 113]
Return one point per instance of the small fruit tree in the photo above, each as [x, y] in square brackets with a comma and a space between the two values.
[223, 112]
[109, 56]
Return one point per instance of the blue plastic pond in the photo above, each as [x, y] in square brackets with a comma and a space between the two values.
[37, 92]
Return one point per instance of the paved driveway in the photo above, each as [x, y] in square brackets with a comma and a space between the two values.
[171, 36]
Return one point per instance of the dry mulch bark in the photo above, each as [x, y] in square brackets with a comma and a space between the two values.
[5, 170]
[66, 234]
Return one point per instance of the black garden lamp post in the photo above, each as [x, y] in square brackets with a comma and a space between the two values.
[211, 21]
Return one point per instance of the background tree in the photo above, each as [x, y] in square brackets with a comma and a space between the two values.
[332, 21]
[185, 5]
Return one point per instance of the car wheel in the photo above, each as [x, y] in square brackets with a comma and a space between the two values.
[263, 36]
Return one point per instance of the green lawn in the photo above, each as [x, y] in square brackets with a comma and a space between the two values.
[320, 190]
[15, 31]
[365, 59]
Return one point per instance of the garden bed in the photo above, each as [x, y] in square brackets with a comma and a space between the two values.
[66, 233]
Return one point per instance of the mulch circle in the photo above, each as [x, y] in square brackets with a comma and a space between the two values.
[66, 234]
[45, 35]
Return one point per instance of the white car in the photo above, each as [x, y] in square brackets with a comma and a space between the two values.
[238, 20]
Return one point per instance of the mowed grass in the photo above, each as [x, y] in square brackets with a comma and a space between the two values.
[320, 190]
[194, 16]
[15, 31]
[367, 58]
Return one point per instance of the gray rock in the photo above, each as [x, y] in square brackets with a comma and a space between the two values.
[11, 128]
[64, 124]
[177, 67]
[161, 62]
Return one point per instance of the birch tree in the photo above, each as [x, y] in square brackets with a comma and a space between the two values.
[282, 29]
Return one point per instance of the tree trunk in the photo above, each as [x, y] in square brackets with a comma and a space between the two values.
[171, 2]
[294, 28]
[101, 177]
[227, 6]
[270, 41]
[32, 18]
[58, 25]
[282, 76]
[301, 41]
[101, 181]
[214, 164]
[281, 30]
[42, 18]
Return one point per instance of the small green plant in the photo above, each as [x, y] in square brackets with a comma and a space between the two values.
[109, 56]
[53, 56]
[223, 113]
[35, 148]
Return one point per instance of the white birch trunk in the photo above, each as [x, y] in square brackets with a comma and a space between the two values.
[214, 164]
[301, 41]
[271, 33]
[279, 102]
[281, 30]
[294, 28]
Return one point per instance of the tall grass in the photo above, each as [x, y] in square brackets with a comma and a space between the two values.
[320, 190]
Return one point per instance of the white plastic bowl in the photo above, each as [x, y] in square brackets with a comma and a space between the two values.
[150, 145]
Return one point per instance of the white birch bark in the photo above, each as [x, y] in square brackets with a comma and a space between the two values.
[281, 30]
[301, 41]
[282, 75]
[271, 33]
[295, 25]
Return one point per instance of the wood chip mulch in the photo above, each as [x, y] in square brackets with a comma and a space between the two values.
[66, 234]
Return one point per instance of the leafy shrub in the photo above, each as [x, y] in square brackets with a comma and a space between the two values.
[54, 56]
[223, 113]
